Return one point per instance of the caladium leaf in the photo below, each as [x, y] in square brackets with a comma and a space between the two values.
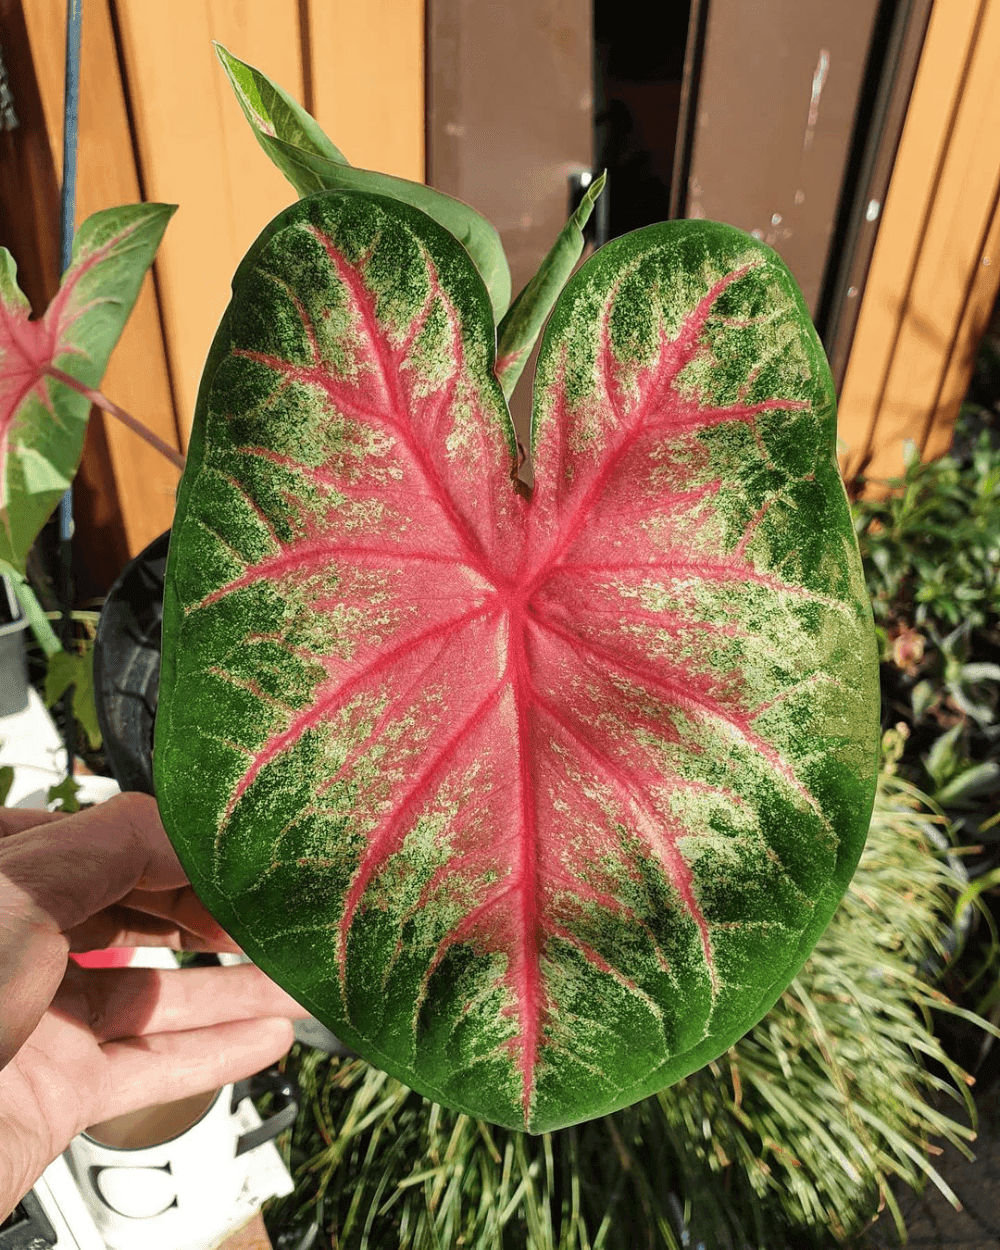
[76, 669]
[537, 803]
[523, 321]
[274, 114]
[43, 421]
[297, 144]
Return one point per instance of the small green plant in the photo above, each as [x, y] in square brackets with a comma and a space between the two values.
[932, 546]
[49, 371]
[931, 550]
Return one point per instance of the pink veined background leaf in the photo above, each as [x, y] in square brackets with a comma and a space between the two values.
[538, 803]
[43, 422]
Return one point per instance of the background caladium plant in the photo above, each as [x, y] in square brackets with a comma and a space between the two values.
[537, 802]
[46, 365]
[311, 162]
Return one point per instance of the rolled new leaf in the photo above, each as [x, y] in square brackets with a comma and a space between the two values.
[518, 332]
[42, 421]
[297, 144]
[538, 804]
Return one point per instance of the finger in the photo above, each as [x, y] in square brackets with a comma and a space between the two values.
[134, 1002]
[54, 876]
[117, 926]
[182, 906]
[16, 819]
[175, 918]
[58, 877]
[167, 1066]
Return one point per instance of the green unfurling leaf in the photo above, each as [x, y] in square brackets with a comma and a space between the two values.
[522, 324]
[297, 145]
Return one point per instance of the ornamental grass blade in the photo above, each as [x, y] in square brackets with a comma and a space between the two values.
[538, 803]
[42, 421]
[296, 143]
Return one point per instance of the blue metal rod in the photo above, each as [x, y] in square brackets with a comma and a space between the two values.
[67, 213]
[71, 123]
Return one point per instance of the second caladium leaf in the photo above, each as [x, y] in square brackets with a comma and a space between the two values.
[538, 803]
[42, 420]
[309, 160]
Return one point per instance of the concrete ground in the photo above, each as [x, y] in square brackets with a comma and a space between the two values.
[931, 1219]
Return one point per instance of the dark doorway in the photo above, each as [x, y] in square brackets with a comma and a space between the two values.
[639, 73]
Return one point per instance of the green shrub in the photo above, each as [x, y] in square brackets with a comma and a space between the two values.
[932, 548]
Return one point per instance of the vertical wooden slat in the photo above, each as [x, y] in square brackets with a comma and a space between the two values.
[137, 376]
[510, 118]
[776, 106]
[975, 319]
[367, 64]
[197, 151]
[912, 354]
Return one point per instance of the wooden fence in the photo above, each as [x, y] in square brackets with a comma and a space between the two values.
[936, 267]
[158, 122]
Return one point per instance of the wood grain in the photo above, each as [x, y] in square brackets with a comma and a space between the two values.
[928, 287]
[197, 151]
[368, 81]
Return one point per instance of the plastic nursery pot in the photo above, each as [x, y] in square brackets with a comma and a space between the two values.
[127, 666]
[126, 691]
[13, 666]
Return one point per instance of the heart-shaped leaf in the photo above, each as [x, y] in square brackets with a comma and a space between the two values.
[297, 144]
[43, 421]
[538, 804]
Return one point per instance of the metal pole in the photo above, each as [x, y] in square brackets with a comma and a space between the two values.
[67, 221]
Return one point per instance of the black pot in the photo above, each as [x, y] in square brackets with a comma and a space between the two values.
[126, 690]
[13, 666]
[127, 666]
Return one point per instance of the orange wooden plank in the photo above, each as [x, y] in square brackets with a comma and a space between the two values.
[950, 256]
[368, 81]
[137, 377]
[979, 308]
[198, 151]
[936, 90]
[937, 212]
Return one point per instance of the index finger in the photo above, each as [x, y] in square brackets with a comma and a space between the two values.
[72, 867]
[54, 876]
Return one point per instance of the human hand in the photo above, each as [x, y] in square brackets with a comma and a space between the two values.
[81, 1045]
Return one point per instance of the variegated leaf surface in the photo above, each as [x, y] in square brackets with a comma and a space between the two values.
[43, 421]
[537, 803]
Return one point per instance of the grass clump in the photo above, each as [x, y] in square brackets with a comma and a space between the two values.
[793, 1138]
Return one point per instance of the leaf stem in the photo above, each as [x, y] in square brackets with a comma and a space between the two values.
[35, 613]
[126, 418]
